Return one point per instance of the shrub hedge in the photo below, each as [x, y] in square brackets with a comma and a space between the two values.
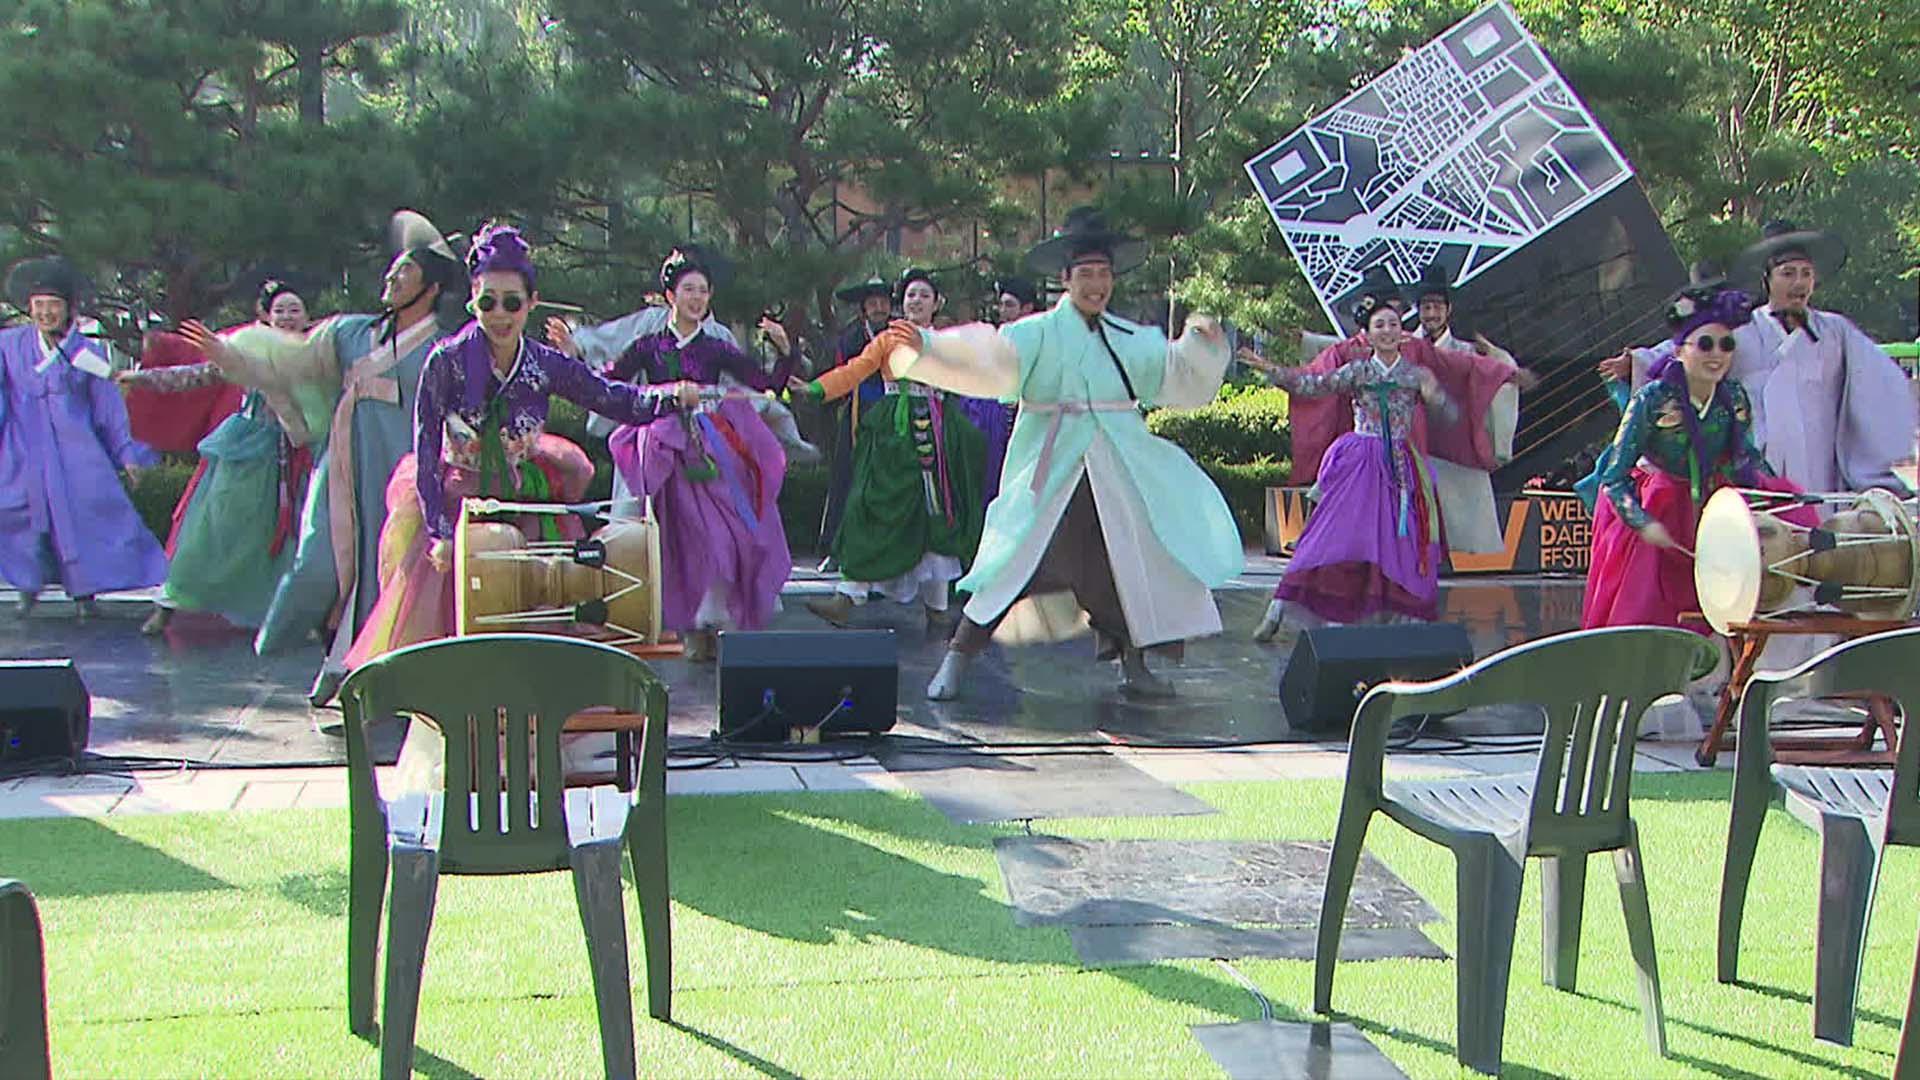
[1246, 425]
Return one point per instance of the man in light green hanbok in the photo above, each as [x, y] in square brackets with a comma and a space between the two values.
[1099, 525]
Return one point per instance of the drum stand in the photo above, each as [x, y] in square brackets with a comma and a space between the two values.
[1747, 639]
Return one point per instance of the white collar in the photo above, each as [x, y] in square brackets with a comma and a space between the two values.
[519, 354]
[406, 341]
[681, 342]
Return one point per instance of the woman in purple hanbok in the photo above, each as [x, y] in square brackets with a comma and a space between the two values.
[713, 475]
[478, 428]
[64, 440]
[1015, 298]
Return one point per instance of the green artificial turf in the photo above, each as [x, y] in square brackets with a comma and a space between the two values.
[864, 935]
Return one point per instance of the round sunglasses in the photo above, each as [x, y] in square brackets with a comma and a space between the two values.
[1704, 343]
[513, 302]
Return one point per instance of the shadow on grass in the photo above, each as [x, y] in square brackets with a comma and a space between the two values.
[1382, 1032]
[324, 893]
[1814, 1065]
[740, 1054]
[70, 857]
[757, 863]
[1783, 994]
[430, 1064]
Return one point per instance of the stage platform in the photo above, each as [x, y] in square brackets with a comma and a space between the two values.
[198, 694]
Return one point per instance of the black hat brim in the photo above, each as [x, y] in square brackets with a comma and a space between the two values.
[1827, 252]
[855, 294]
[31, 277]
[1050, 257]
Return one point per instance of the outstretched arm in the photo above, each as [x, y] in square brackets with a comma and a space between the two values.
[837, 383]
[975, 359]
[171, 380]
[267, 359]
[1196, 363]
[617, 401]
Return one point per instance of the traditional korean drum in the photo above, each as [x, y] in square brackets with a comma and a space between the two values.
[605, 586]
[1752, 562]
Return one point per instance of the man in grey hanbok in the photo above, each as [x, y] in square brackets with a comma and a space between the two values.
[370, 365]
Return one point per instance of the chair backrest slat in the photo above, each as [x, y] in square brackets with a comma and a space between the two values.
[519, 747]
[486, 758]
[1607, 740]
[1592, 686]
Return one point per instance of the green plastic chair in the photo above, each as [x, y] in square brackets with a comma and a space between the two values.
[23, 986]
[1592, 685]
[1857, 812]
[499, 701]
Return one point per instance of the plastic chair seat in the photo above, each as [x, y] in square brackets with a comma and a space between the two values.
[1839, 792]
[1438, 809]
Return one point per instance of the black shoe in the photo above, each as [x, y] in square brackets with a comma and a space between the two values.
[326, 688]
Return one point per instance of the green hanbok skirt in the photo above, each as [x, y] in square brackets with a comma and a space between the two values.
[916, 487]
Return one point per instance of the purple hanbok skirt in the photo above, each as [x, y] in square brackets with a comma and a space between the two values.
[995, 421]
[716, 495]
[1365, 554]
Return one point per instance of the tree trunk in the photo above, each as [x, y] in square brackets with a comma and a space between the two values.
[311, 73]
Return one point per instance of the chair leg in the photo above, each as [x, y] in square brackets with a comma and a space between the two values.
[647, 845]
[1349, 840]
[1631, 873]
[1906, 1066]
[416, 882]
[24, 1050]
[1563, 894]
[1743, 842]
[1849, 867]
[366, 890]
[1487, 880]
[596, 886]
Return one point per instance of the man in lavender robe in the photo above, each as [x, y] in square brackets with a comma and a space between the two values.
[64, 438]
[1831, 411]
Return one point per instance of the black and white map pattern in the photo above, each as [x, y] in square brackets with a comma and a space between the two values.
[1462, 153]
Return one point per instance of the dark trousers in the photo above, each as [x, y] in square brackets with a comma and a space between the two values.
[1075, 561]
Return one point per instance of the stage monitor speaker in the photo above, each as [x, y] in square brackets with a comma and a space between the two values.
[1332, 667]
[775, 683]
[45, 712]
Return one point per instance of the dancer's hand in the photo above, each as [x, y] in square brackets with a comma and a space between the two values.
[901, 334]
[1656, 534]
[210, 344]
[1207, 327]
[133, 473]
[775, 333]
[687, 394]
[1429, 383]
[1616, 367]
[1255, 361]
[560, 336]
[440, 554]
[1524, 379]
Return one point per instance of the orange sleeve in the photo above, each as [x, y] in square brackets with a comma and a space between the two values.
[838, 382]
